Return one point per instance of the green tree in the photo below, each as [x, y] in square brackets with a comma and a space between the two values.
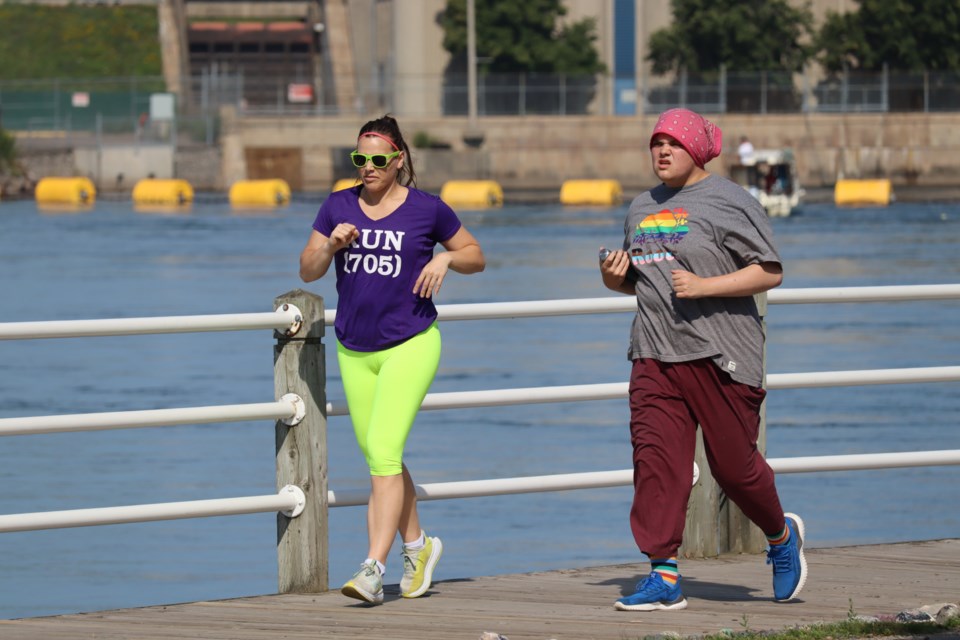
[906, 35]
[742, 35]
[78, 41]
[523, 37]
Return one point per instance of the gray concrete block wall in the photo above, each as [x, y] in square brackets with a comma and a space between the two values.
[542, 152]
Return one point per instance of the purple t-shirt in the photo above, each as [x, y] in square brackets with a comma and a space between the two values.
[376, 306]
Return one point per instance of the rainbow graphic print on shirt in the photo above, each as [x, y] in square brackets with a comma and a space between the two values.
[668, 227]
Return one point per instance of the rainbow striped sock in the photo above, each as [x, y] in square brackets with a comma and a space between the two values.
[667, 568]
[779, 538]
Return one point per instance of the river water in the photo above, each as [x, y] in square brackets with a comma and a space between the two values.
[116, 262]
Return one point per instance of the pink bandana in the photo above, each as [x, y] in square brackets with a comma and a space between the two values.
[701, 138]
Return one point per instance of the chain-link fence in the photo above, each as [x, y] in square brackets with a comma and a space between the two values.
[122, 106]
[68, 104]
[103, 110]
[522, 94]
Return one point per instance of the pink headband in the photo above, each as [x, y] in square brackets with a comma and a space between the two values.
[701, 138]
[380, 135]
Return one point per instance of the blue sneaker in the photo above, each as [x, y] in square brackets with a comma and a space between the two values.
[653, 594]
[789, 565]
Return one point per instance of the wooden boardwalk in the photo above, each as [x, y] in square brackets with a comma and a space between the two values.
[732, 592]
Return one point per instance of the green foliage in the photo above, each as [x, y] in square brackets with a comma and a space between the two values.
[78, 41]
[423, 140]
[523, 37]
[850, 629]
[906, 36]
[743, 35]
[8, 152]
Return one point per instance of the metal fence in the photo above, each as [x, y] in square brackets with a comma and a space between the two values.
[74, 104]
[520, 94]
[123, 105]
[98, 110]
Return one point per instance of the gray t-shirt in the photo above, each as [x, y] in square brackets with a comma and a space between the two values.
[710, 228]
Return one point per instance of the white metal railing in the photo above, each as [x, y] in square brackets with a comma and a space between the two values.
[289, 408]
[289, 319]
[616, 390]
[601, 479]
[865, 294]
[583, 306]
[290, 500]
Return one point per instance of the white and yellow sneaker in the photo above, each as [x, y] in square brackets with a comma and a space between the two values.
[366, 584]
[418, 565]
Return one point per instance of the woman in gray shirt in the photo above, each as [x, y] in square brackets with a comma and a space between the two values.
[696, 249]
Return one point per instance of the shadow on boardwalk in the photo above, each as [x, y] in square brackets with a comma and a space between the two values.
[731, 592]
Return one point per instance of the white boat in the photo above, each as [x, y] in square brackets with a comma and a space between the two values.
[770, 175]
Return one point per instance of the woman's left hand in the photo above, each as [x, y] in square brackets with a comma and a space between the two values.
[751, 280]
[431, 278]
[687, 285]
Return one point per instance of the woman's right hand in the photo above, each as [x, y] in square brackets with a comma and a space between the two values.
[613, 270]
[341, 236]
[316, 257]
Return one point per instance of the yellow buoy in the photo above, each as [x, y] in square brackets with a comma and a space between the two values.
[603, 192]
[344, 183]
[164, 192]
[65, 191]
[260, 193]
[864, 192]
[472, 193]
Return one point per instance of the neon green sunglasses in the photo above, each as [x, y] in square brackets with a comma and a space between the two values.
[379, 160]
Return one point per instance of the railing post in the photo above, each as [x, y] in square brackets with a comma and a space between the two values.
[763, 92]
[299, 367]
[714, 524]
[683, 87]
[722, 89]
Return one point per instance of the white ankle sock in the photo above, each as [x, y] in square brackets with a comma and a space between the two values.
[382, 569]
[416, 544]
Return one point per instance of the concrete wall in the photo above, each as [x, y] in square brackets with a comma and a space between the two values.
[417, 56]
[535, 153]
[110, 168]
[542, 152]
[121, 166]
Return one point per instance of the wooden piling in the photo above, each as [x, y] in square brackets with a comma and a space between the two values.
[715, 525]
[299, 367]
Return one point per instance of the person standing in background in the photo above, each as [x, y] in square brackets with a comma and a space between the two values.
[745, 150]
[696, 249]
[381, 235]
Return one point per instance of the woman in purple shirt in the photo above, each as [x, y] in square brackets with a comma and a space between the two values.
[381, 235]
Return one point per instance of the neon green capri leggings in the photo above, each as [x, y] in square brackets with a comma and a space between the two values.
[384, 391]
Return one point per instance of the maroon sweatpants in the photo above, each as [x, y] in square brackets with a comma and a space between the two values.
[667, 401]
